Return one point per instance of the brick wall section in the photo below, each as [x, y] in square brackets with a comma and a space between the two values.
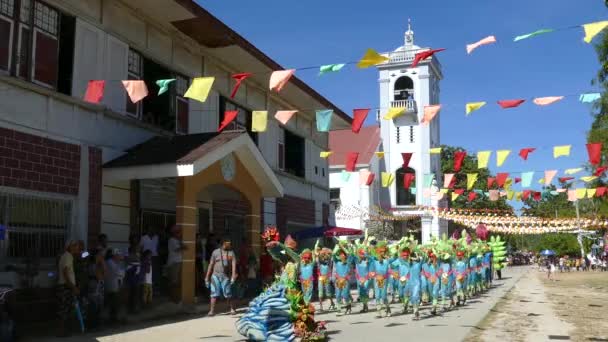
[36, 163]
[95, 188]
[294, 209]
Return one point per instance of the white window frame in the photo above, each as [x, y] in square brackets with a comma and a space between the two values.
[35, 33]
[10, 44]
[18, 61]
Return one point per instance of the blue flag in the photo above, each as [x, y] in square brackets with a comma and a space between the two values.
[324, 119]
[526, 179]
[589, 97]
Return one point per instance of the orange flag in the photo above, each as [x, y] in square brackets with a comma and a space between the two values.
[429, 113]
[279, 78]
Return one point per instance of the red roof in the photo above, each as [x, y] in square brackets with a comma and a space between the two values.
[344, 141]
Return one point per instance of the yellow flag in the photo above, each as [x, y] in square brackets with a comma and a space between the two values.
[473, 106]
[573, 171]
[508, 183]
[471, 179]
[501, 156]
[387, 179]
[561, 151]
[580, 193]
[592, 29]
[325, 154]
[590, 193]
[454, 196]
[371, 58]
[518, 196]
[394, 112]
[510, 195]
[380, 155]
[259, 120]
[588, 179]
[483, 157]
[444, 191]
[436, 150]
[541, 181]
[199, 89]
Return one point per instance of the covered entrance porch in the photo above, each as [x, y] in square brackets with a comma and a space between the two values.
[221, 171]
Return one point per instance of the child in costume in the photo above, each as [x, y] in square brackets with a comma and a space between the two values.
[403, 270]
[381, 273]
[446, 273]
[415, 283]
[472, 274]
[460, 272]
[393, 286]
[324, 273]
[306, 273]
[432, 272]
[362, 266]
[487, 267]
[342, 274]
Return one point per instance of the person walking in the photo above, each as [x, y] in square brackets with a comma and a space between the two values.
[221, 275]
[149, 242]
[174, 262]
[113, 282]
[147, 276]
[67, 291]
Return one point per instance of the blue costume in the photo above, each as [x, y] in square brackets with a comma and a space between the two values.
[460, 272]
[447, 281]
[432, 273]
[403, 270]
[472, 275]
[414, 285]
[381, 272]
[307, 280]
[342, 274]
[362, 268]
[487, 269]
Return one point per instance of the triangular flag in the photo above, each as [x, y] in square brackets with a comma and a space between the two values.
[359, 116]
[387, 179]
[591, 193]
[407, 156]
[589, 97]
[561, 151]
[532, 34]
[472, 196]
[428, 180]
[324, 69]
[283, 116]
[259, 120]
[491, 181]
[510, 103]
[420, 56]
[580, 193]
[565, 179]
[345, 176]
[365, 177]
[517, 180]
[447, 180]
[485, 41]
[501, 156]
[444, 191]
[351, 161]
[199, 89]
[325, 154]
[408, 178]
[452, 182]
[429, 113]
[394, 112]
[588, 179]
[371, 58]
[537, 195]
[483, 157]
[473, 106]
[508, 183]
[163, 85]
[510, 195]
[549, 174]
[136, 89]
[524, 152]
[238, 78]
[600, 170]
[95, 89]
[541, 181]
[435, 150]
[526, 179]
[518, 196]
[600, 191]
[545, 101]
[380, 155]
[501, 178]
[279, 78]
[526, 194]
[455, 196]
[494, 195]
[324, 119]
[229, 115]
[413, 191]
[458, 159]
[471, 179]
[459, 191]
[593, 29]
[573, 171]
[595, 153]
[572, 195]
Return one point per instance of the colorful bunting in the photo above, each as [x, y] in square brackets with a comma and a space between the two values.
[473, 106]
[458, 159]
[455, 196]
[387, 179]
[95, 90]
[565, 179]
[589, 97]
[580, 193]
[561, 151]
[324, 69]
[485, 41]
[491, 181]
[537, 196]
[517, 180]
[238, 78]
[494, 195]
[394, 112]
[428, 180]
[325, 154]
[600, 170]
[501, 178]
[371, 58]
[593, 29]
[279, 78]
[483, 157]
[591, 193]
[600, 191]
[595, 153]
[359, 116]
[545, 101]
[447, 180]
[532, 34]
[588, 179]
[510, 195]
[229, 115]
[526, 179]
[366, 178]
[510, 103]
[420, 56]
[472, 196]
[380, 155]
[345, 176]
[324, 119]
[163, 85]
[572, 196]
[549, 174]
[407, 156]
[408, 178]
[573, 171]
[200, 88]
[259, 120]
[435, 150]
[283, 116]
[526, 194]
[524, 152]
[351, 161]
[413, 191]
[429, 113]
[501, 156]
[471, 179]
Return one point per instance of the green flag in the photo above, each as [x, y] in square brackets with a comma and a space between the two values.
[163, 85]
[532, 34]
[324, 69]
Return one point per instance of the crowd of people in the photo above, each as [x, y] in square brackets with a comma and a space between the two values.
[565, 263]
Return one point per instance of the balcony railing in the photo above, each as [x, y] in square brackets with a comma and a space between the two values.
[400, 56]
[409, 105]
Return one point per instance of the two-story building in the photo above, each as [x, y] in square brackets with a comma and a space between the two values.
[73, 169]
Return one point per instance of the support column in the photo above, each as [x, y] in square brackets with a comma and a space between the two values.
[185, 219]
[256, 225]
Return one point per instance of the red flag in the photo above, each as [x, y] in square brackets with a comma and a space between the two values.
[517, 180]
[452, 183]
[407, 156]
[459, 191]
[239, 78]
[359, 116]
[565, 179]
[600, 170]
[526, 194]
[537, 195]
[420, 56]
[600, 191]
[595, 153]
[408, 178]
[229, 115]
[523, 153]
[94, 93]
[472, 196]
[370, 179]
[501, 178]
[351, 161]
[491, 181]
[458, 159]
[510, 103]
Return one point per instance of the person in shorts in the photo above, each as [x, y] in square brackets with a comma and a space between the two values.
[221, 275]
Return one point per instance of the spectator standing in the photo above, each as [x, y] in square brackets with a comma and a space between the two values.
[149, 242]
[221, 275]
[113, 282]
[561, 264]
[147, 272]
[133, 278]
[67, 290]
[96, 290]
[82, 278]
[174, 262]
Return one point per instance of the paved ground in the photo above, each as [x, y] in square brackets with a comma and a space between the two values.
[452, 326]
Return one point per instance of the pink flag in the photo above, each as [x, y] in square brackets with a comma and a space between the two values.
[572, 195]
[95, 91]
[487, 40]
[510, 103]
[364, 176]
[447, 179]
[545, 101]
[494, 195]
[284, 115]
[429, 113]
[238, 78]
[279, 78]
[549, 174]
[137, 90]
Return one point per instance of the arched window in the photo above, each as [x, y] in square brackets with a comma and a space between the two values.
[405, 196]
[404, 89]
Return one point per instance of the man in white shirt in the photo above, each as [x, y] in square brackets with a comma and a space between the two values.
[149, 242]
[174, 262]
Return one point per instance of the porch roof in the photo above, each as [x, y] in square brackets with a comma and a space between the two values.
[187, 155]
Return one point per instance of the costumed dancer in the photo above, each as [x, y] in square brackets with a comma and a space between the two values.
[460, 272]
[472, 274]
[306, 273]
[432, 272]
[447, 274]
[486, 266]
[381, 274]
[342, 274]
[415, 283]
[324, 272]
[393, 285]
[403, 270]
[362, 266]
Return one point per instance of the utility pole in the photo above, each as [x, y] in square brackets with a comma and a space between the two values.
[579, 238]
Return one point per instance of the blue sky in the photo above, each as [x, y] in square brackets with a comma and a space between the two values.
[314, 32]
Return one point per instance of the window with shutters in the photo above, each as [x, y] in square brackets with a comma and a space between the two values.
[135, 69]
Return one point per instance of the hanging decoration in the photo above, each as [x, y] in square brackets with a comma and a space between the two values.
[532, 34]
[458, 159]
[485, 41]
[561, 151]
[324, 69]
[524, 152]
[238, 80]
[510, 103]
[501, 156]
[200, 88]
[259, 121]
[473, 106]
[229, 116]
[351, 161]
[420, 56]
[283, 116]
[324, 119]
[359, 116]
[429, 114]
[407, 157]
[545, 101]
[595, 153]
[371, 58]
[279, 78]
[593, 29]
[163, 85]
[95, 90]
